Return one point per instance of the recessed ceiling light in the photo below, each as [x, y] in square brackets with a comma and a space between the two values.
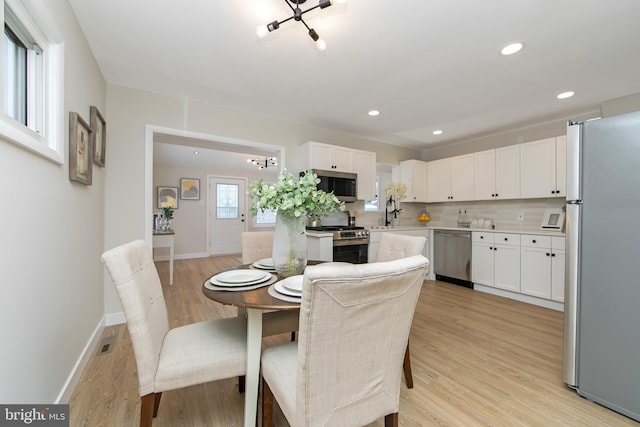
[437, 132]
[512, 48]
[565, 95]
[196, 152]
[373, 113]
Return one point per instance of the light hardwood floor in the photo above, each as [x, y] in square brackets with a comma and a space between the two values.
[478, 360]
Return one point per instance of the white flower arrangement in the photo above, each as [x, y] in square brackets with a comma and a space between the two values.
[395, 192]
[294, 197]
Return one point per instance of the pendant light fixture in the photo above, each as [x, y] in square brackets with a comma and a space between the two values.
[263, 30]
[263, 164]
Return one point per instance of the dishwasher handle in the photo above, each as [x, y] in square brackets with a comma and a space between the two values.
[462, 234]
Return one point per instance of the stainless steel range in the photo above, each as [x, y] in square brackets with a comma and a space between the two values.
[350, 243]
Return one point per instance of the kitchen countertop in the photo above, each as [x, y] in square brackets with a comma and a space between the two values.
[536, 231]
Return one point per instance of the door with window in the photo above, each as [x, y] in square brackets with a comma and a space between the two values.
[227, 216]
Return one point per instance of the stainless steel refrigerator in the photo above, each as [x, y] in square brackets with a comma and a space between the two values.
[602, 288]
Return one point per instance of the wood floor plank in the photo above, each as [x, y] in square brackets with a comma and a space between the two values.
[478, 360]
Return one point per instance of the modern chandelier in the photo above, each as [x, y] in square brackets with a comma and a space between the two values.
[263, 164]
[263, 30]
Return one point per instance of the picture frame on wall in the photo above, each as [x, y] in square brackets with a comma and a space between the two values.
[80, 150]
[189, 189]
[99, 136]
[167, 197]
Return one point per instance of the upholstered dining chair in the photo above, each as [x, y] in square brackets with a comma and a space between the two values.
[395, 246]
[346, 367]
[168, 359]
[256, 245]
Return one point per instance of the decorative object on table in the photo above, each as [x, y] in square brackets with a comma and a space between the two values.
[167, 197]
[99, 136]
[292, 200]
[189, 189]
[80, 150]
[395, 192]
[263, 30]
[163, 221]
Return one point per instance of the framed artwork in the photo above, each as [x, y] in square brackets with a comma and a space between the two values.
[189, 189]
[99, 136]
[80, 150]
[167, 197]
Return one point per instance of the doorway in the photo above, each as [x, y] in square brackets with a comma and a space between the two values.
[227, 214]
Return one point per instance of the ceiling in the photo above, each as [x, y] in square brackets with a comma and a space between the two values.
[424, 64]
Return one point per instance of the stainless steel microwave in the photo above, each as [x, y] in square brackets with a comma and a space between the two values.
[343, 184]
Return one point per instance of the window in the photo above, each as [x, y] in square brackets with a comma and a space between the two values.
[227, 201]
[32, 81]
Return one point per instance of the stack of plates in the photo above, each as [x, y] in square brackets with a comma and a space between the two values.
[289, 289]
[241, 280]
[264, 264]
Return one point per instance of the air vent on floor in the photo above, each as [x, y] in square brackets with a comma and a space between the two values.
[106, 345]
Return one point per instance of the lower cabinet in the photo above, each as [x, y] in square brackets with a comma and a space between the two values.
[542, 273]
[496, 260]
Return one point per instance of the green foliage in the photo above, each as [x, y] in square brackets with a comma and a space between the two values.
[294, 197]
[167, 211]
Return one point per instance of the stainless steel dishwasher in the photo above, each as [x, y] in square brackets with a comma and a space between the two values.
[452, 255]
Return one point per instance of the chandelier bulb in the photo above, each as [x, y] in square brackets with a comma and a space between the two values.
[262, 31]
[321, 44]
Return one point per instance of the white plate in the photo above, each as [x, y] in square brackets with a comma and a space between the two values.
[293, 283]
[241, 276]
[265, 263]
[285, 291]
[281, 297]
[211, 285]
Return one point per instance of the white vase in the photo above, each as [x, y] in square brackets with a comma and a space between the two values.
[289, 245]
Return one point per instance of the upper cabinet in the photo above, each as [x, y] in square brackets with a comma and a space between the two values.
[497, 173]
[543, 168]
[316, 155]
[413, 174]
[451, 179]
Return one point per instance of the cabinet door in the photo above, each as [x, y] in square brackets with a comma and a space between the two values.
[538, 168]
[557, 275]
[506, 273]
[508, 172]
[536, 272]
[364, 163]
[342, 159]
[413, 175]
[462, 178]
[439, 180]
[485, 175]
[561, 166]
[482, 263]
[319, 156]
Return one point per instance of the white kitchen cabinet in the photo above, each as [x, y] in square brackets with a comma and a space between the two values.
[316, 155]
[451, 179]
[496, 260]
[364, 164]
[497, 173]
[542, 262]
[413, 174]
[543, 168]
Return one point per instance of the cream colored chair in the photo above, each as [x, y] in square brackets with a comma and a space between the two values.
[256, 245]
[168, 359]
[346, 367]
[396, 246]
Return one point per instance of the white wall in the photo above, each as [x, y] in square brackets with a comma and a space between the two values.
[51, 238]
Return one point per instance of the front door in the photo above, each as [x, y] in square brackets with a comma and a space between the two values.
[226, 214]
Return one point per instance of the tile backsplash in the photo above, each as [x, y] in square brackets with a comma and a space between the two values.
[503, 213]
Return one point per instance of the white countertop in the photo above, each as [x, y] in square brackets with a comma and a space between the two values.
[377, 228]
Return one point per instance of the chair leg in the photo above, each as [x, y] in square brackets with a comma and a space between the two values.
[408, 376]
[267, 405]
[146, 409]
[156, 404]
[241, 383]
[391, 420]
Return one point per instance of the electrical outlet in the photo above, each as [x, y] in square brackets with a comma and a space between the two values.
[520, 216]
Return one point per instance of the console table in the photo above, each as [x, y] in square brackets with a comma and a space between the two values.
[164, 239]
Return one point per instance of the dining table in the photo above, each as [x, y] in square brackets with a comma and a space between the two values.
[266, 316]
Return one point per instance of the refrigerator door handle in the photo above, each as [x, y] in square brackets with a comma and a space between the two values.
[572, 294]
[574, 132]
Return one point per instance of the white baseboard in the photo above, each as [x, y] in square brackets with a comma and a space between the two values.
[181, 256]
[553, 305]
[67, 389]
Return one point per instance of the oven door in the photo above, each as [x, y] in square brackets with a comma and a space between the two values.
[354, 252]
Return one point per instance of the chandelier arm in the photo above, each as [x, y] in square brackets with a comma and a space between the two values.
[289, 4]
[305, 24]
[310, 9]
[285, 20]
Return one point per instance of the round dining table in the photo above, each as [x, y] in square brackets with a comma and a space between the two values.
[276, 315]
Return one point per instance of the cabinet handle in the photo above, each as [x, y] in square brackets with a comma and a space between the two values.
[482, 237]
[548, 254]
[496, 194]
[553, 254]
[506, 240]
[533, 241]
